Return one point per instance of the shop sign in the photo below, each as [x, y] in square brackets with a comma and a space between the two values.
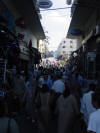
[75, 32]
[24, 50]
[44, 4]
[92, 54]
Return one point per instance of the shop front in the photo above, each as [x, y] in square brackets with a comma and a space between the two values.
[24, 57]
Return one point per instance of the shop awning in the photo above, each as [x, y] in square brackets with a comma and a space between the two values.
[84, 17]
[24, 52]
[34, 51]
[24, 57]
[27, 10]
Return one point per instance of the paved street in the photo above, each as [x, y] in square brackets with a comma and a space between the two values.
[26, 126]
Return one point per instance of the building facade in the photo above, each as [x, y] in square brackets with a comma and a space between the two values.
[21, 24]
[86, 24]
[66, 47]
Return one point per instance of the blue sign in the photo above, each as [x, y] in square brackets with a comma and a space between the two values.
[44, 3]
[75, 32]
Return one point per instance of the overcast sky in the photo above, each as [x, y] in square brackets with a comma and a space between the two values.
[56, 23]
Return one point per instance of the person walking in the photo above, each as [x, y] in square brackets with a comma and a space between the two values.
[68, 114]
[86, 104]
[43, 109]
[18, 91]
[58, 85]
[94, 120]
[7, 125]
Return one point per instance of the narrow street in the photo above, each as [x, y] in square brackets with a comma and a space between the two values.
[49, 66]
[26, 126]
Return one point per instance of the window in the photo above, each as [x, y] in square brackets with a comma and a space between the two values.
[71, 41]
[63, 47]
[64, 52]
[71, 46]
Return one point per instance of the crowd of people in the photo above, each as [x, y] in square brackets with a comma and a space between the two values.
[53, 98]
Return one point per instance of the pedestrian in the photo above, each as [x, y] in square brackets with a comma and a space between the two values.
[86, 104]
[7, 125]
[68, 114]
[58, 85]
[28, 99]
[18, 91]
[43, 109]
[94, 120]
[76, 86]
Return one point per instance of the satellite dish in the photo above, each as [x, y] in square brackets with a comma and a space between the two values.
[69, 2]
[44, 3]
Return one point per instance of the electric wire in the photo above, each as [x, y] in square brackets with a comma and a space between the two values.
[73, 6]
[57, 16]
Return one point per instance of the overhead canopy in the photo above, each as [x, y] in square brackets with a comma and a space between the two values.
[27, 10]
[84, 17]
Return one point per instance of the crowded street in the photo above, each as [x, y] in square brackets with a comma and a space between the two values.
[49, 66]
[48, 100]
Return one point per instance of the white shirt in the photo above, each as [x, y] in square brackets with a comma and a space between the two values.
[86, 106]
[94, 122]
[58, 86]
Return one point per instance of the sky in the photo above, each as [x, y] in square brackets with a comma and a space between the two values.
[56, 22]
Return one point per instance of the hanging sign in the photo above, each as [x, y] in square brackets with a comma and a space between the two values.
[75, 32]
[92, 54]
[44, 3]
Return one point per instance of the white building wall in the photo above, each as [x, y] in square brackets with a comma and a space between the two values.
[33, 38]
[79, 42]
[67, 46]
[28, 36]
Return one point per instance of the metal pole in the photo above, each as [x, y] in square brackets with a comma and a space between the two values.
[5, 67]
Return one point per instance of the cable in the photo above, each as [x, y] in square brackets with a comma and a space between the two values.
[73, 6]
[57, 16]
[55, 9]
